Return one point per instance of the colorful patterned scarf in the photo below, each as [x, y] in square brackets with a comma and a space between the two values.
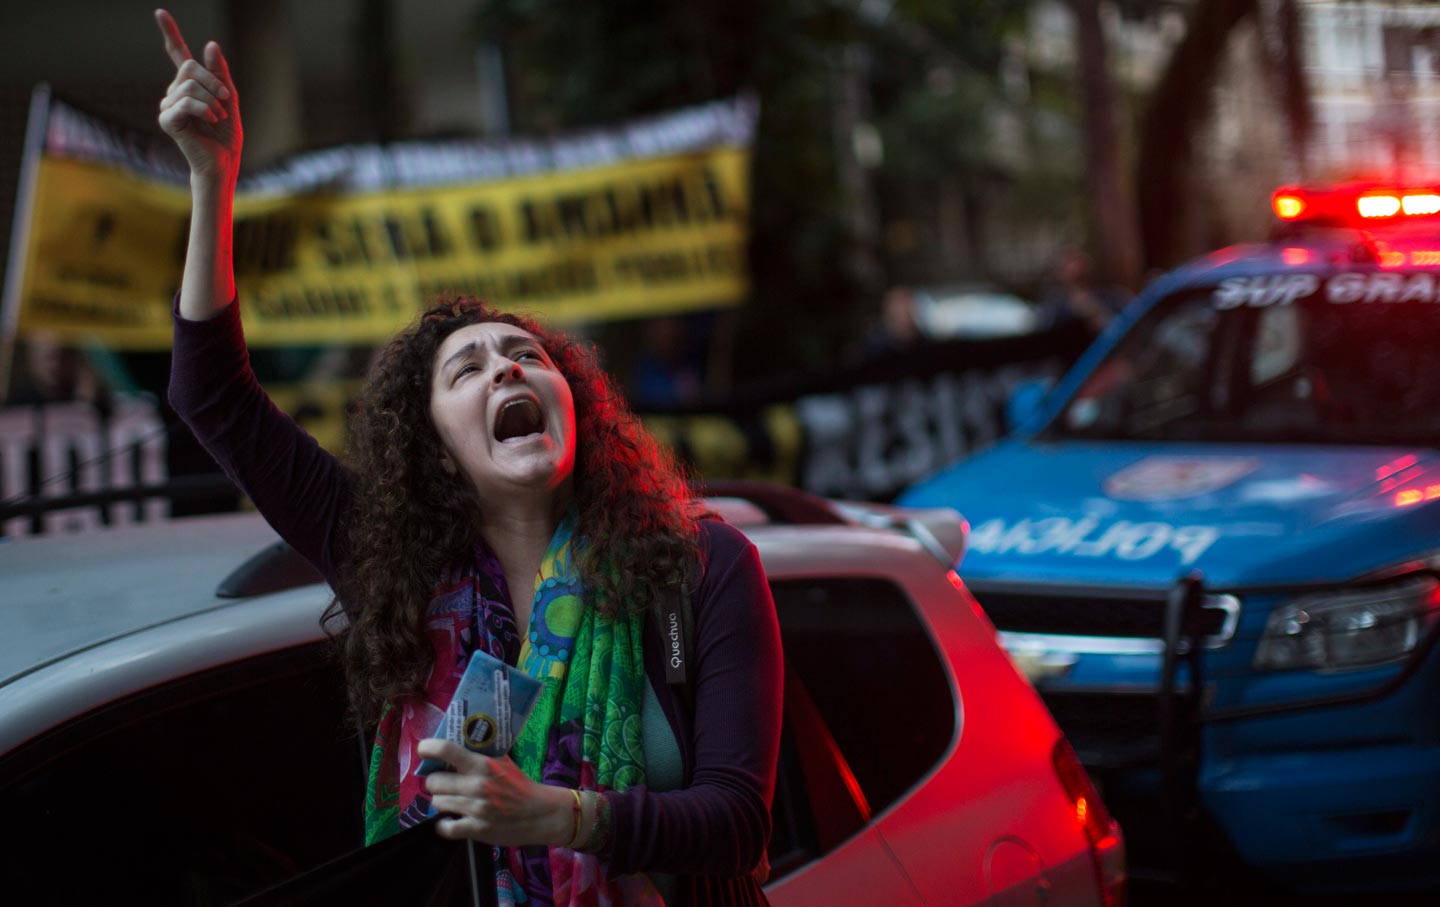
[584, 731]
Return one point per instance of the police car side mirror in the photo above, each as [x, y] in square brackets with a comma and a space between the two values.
[1025, 402]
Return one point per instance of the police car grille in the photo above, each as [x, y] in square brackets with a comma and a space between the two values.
[1082, 615]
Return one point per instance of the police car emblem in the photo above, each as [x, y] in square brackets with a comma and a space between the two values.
[1175, 478]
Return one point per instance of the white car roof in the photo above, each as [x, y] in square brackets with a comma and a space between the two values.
[64, 594]
[94, 617]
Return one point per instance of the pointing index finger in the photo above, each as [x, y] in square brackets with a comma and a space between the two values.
[175, 44]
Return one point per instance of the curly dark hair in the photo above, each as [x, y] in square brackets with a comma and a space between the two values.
[411, 519]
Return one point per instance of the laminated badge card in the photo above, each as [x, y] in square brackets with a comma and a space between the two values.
[488, 710]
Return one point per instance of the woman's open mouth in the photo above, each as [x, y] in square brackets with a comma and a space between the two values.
[519, 419]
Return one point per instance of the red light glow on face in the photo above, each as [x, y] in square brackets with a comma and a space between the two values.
[1377, 205]
[1295, 256]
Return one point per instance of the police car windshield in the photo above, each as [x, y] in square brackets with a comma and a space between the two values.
[1351, 358]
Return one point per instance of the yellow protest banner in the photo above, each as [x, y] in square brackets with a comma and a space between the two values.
[623, 238]
[720, 446]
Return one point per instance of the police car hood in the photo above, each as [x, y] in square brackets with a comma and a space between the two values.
[1120, 513]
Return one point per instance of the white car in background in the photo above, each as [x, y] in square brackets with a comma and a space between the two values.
[972, 311]
[173, 726]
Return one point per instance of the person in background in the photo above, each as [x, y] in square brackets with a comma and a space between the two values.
[54, 371]
[666, 371]
[1075, 297]
[898, 328]
[500, 496]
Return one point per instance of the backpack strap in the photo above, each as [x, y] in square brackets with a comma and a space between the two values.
[675, 619]
[675, 616]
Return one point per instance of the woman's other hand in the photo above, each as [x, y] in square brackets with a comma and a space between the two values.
[201, 110]
[491, 800]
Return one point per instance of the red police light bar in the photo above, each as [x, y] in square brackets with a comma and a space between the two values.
[1371, 206]
[1288, 205]
[1420, 205]
[1363, 203]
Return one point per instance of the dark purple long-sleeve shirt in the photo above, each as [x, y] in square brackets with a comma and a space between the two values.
[713, 831]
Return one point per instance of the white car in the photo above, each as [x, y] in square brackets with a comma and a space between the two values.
[973, 311]
[173, 727]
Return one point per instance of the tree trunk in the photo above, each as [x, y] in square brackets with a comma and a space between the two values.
[1280, 30]
[1112, 211]
[1176, 110]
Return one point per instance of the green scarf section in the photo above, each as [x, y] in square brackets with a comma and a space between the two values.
[593, 669]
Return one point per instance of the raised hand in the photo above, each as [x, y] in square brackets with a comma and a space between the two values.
[201, 110]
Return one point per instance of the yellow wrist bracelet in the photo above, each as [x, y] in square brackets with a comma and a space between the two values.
[575, 833]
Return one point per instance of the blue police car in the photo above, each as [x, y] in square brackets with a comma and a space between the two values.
[1215, 549]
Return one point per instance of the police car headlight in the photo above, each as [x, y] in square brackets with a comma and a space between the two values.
[1353, 628]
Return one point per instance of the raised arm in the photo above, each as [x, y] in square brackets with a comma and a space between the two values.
[299, 487]
[201, 112]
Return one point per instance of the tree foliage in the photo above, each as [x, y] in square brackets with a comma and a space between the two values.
[573, 63]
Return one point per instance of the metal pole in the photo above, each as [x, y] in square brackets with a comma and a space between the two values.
[35, 127]
[1179, 732]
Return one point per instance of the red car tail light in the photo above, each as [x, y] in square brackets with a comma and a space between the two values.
[1107, 844]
